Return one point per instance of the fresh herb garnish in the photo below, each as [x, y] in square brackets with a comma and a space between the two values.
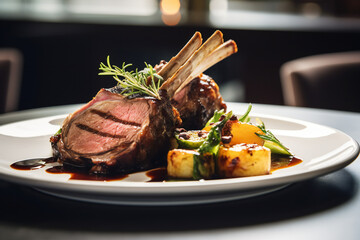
[218, 113]
[58, 132]
[245, 117]
[271, 141]
[205, 162]
[215, 118]
[134, 82]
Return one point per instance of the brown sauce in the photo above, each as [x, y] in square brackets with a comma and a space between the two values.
[155, 175]
[279, 162]
[32, 164]
[83, 174]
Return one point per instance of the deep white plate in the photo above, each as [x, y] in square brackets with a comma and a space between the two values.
[322, 149]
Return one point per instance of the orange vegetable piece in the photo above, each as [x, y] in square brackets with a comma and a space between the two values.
[243, 133]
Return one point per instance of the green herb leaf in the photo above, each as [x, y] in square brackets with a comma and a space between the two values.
[215, 118]
[134, 82]
[245, 117]
[58, 132]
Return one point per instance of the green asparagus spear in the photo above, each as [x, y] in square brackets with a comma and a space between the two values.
[271, 141]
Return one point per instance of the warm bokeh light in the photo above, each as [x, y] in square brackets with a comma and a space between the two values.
[311, 10]
[170, 7]
[170, 10]
[171, 20]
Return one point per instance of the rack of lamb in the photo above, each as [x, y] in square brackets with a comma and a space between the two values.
[125, 130]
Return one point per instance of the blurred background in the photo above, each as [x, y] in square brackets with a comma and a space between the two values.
[62, 42]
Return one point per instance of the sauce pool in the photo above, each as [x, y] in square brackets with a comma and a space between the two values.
[32, 164]
[83, 174]
[279, 162]
[155, 175]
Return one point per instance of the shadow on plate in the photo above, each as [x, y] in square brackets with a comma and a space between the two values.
[22, 206]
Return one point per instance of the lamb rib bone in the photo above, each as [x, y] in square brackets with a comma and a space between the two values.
[223, 51]
[176, 62]
[175, 81]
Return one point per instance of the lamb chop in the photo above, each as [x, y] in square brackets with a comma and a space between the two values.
[198, 101]
[198, 96]
[128, 132]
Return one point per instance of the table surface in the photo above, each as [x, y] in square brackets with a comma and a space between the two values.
[326, 207]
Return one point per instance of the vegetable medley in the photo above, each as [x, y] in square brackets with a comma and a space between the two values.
[228, 146]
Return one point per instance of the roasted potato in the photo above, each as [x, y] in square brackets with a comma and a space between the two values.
[181, 163]
[243, 160]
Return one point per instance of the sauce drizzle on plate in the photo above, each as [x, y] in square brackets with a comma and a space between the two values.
[155, 175]
[83, 174]
[32, 164]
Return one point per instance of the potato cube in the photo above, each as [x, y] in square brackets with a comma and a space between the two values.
[181, 163]
[243, 160]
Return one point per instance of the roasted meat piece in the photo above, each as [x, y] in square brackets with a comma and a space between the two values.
[112, 130]
[198, 101]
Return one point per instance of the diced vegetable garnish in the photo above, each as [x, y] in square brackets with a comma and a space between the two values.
[226, 147]
[191, 139]
[243, 133]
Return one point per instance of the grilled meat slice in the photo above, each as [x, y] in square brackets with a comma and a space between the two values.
[116, 132]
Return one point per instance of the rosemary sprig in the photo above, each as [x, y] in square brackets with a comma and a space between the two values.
[134, 82]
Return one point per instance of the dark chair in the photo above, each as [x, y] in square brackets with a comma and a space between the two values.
[10, 74]
[330, 81]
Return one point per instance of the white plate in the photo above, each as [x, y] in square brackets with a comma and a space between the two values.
[322, 149]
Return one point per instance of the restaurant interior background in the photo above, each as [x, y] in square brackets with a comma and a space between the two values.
[62, 42]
